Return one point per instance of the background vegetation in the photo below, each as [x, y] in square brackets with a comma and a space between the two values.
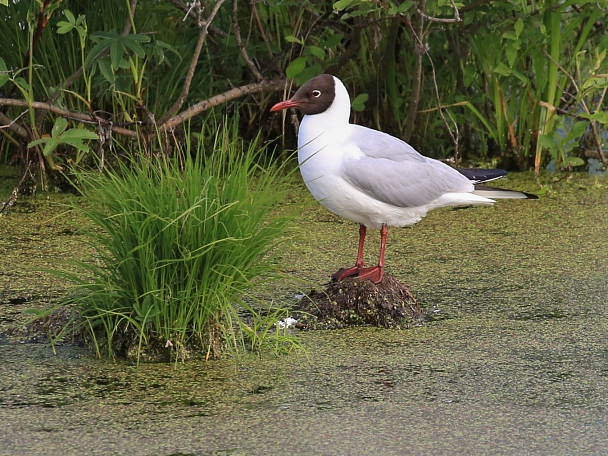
[508, 82]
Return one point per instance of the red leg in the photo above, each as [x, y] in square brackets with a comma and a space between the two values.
[347, 272]
[376, 274]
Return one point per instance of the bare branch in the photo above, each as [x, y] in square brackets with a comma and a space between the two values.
[170, 124]
[239, 41]
[456, 17]
[204, 25]
[216, 100]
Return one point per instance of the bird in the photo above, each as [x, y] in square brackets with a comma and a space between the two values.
[372, 178]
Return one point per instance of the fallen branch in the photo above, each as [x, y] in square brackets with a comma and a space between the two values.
[170, 124]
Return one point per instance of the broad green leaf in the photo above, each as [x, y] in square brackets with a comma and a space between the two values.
[502, 69]
[572, 162]
[332, 41]
[49, 146]
[577, 130]
[519, 27]
[4, 2]
[342, 4]
[77, 143]
[106, 70]
[598, 116]
[96, 51]
[405, 6]
[132, 42]
[358, 104]
[78, 133]
[296, 66]
[316, 51]
[4, 77]
[293, 39]
[36, 142]
[547, 142]
[512, 50]
[116, 52]
[69, 16]
[59, 127]
[64, 27]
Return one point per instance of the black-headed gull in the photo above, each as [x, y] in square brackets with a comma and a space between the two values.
[373, 178]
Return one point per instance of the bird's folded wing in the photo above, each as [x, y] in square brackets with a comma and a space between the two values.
[391, 171]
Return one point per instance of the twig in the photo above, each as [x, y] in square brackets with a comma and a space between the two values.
[204, 26]
[239, 42]
[216, 100]
[15, 193]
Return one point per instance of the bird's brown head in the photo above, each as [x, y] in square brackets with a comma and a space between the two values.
[314, 97]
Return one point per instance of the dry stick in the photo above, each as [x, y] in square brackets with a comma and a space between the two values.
[425, 50]
[595, 133]
[204, 25]
[11, 124]
[11, 200]
[261, 27]
[420, 48]
[239, 42]
[219, 99]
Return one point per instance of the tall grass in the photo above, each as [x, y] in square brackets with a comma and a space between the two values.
[182, 244]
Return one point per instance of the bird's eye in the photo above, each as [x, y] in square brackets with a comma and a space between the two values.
[316, 93]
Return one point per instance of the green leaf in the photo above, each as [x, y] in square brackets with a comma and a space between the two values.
[512, 50]
[106, 70]
[342, 4]
[49, 146]
[296, 66]
[577, 130]
[96, 51]
[132, 42]
[502, 69]
[64, 27]
[78, 133]
[69, 16]
[293, 39]
[547, 142]
[358, 104]
[316, 51]
[4, 77]
[571, 162]
[4, 2]
[77, 143]
[59, 127]
[519, 27]
[116, 52]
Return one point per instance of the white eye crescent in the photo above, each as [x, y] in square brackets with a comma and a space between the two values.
[316, 93]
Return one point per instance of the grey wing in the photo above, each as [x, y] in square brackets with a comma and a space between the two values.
[392, 171]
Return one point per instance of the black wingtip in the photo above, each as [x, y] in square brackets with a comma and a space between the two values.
[481, 174]
[531, 196]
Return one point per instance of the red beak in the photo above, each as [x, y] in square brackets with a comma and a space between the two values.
[284, 105]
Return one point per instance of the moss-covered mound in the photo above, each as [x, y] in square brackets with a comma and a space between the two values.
[359, 302]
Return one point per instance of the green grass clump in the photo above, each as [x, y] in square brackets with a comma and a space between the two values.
[181, 245]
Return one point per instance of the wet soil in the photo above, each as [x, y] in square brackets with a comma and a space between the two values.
[513, 359]
[359, 302]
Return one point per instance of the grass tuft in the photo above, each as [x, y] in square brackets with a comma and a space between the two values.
[181, 246]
